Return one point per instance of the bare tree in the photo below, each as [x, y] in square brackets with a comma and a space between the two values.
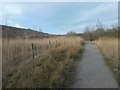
[87, 33]
[87, 29]
[99, 25]
[115, 27]
[71, 33]
[99, 29]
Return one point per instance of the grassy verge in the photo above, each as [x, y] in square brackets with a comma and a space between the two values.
[71, 72]
[112, 64]
[53, 64]
[109, 49]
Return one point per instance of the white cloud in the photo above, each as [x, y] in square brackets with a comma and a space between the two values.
[10, 9]
[90, 16]
[100, 9]
[18, 26]
[50, 15]
[45, 11]
[13, 9]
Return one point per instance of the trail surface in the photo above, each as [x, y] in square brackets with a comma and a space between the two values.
[92, 71]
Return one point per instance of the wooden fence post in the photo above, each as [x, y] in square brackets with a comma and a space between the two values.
[33, 51]
[56, 43]
[49, 43]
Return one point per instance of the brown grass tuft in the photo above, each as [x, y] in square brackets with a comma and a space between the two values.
[109, 48]
[52, 58]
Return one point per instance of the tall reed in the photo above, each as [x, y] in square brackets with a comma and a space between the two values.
[53, 58]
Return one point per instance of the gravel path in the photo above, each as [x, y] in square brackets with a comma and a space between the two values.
[92, 71]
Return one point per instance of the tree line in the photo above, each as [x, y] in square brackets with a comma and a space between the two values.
[93, 33]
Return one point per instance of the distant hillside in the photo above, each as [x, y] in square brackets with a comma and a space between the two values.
[13, 32]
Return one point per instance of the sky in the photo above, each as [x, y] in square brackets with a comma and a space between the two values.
[58, 17]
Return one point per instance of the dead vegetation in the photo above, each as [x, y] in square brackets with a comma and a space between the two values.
[109, 48]
[39, 63]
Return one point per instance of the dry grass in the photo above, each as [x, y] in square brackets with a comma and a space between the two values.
[109, 48]
[53, 57]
